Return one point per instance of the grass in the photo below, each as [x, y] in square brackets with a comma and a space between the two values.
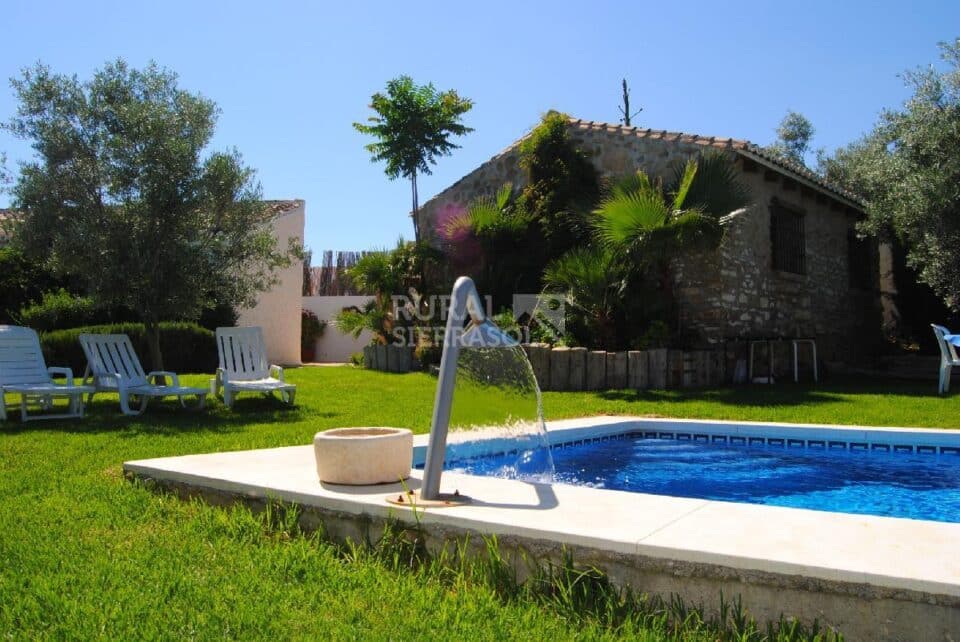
[86, 554]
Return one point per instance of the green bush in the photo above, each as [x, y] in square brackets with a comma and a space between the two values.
[22, 282]
[186, 346]
[59, 310]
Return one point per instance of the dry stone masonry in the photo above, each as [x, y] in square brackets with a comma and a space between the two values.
[726, 297]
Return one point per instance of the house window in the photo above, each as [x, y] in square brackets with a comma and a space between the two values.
[861, 259]
[786, 238]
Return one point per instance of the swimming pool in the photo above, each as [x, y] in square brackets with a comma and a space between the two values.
[921, 483]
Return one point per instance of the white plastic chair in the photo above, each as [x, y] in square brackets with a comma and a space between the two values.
[948, 357]
[24, 372]
[244, 367]
[113, 366]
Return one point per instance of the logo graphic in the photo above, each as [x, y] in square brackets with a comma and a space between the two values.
[544, 314]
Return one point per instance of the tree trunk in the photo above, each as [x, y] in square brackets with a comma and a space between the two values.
[153, 340]
[416, 208]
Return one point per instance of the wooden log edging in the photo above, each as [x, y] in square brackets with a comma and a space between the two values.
[577, 369]
[386, 358]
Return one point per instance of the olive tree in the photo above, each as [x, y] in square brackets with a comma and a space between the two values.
[793, 138]
[908, 171]
[122, 194]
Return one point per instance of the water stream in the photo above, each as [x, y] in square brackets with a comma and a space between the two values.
[496, 396]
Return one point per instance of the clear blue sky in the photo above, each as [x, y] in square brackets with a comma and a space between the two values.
[290, 78]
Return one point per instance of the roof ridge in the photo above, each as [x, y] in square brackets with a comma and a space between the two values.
[741, 145]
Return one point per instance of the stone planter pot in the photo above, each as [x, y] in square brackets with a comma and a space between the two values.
[362, 456]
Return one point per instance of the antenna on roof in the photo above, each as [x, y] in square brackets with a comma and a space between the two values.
[625, 110]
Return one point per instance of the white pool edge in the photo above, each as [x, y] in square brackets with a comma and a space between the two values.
[891, 555]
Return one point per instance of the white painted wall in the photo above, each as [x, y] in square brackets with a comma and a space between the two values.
[335, 346]
[278, 310]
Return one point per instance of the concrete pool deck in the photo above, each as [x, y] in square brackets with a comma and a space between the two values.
[871, 577]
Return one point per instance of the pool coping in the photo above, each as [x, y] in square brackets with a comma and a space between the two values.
[893, 554]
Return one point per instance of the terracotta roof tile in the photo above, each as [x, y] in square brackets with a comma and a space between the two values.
[741, 146]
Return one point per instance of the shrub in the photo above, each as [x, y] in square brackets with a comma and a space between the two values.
[59, 310]
[427, 355]
[357, 359]
[22, 282]
[311, 329]
[186, 346]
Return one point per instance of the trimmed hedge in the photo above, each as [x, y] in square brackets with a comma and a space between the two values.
[186, 347]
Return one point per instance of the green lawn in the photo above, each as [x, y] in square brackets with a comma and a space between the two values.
[86, 554]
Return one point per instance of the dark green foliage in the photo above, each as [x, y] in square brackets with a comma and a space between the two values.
[907, 169]
[512, 248]
[427, 355]
[562, 184]
[121, 196]
[311, 328]
[651, 224]
[594, 280]
[384, 274]
[59, 310]
[645, 225]
[222, 315]
[22, 282]
[519, 234]
[186, 346]
[717, 189]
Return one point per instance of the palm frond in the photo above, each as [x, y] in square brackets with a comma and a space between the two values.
[627, 217]
[589, 276]
[456, 226]
[683, 187]
[503, 195]
[695, 230]
[717, 188]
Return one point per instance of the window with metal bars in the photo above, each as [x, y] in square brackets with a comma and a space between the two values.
[787, 239]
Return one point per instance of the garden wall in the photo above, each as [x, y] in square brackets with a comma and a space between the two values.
[335, 346]
[278, 310]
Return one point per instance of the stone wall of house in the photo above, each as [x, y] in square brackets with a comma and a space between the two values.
[731, 295]
[735, 294]
[483, 181]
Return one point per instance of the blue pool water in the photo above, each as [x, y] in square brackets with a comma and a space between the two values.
[917, 486]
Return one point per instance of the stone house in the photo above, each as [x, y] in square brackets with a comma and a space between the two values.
[790, 265]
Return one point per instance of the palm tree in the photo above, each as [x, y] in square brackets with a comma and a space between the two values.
[382, 274]
[638, 217]
[594, 282]
[413, 125]
[640, 226]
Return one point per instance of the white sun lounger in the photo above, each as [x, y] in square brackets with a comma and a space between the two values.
[24, 372]
[244, 368]
[948, 356]
[113, 366]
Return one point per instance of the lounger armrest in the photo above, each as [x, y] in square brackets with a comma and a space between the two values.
[175, 380]
[65, 372]
[278, 370]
